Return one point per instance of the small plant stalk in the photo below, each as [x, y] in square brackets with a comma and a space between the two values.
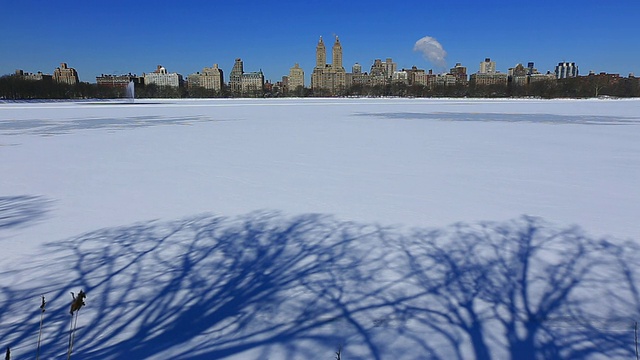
[42, 308]
[72, 333]
[636, 339]
[76, 305]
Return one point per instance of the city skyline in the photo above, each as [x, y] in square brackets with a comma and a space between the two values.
[120, 37]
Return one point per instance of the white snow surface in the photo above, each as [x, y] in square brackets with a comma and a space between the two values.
[118, 199]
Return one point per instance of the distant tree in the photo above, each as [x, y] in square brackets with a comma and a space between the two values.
[320, 92]
[399, 89]
[298, 91]
[597, 83]
[545, 89]
[201, 92]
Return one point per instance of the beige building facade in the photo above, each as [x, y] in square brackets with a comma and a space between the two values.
[32, 77]
[121, 81]
[490, 79]
[212, 78]
[65, 75]
[296, 77]
[245, 83]
[252, 84]
[460, 72]
[161, 77]
[235, 77]
[328, 77]
[487, 66]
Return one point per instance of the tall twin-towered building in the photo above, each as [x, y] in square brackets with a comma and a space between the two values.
[329, 77]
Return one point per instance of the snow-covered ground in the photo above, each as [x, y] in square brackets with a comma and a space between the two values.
[285, 228]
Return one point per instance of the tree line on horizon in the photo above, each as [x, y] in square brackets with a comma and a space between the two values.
[15, 88]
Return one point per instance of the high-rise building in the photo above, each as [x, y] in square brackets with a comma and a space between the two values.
[321, 54]
[336, 52]
[487, 66]
[193, 80]
[296, 77]
[496, 78]
[390, 67]
[460, 73]
[417, 76]
[518, 75]
[252, 83]
[117, 81]
[33, 77]
[65, 75]
[245, 83]
[329, 77]
[212, 78]
[161, 77]
[400, 77]
[537, 77]
[445, 80]
[378, 73]
[487, 75]
[236, 76]
[378, 68]
[356, 76]
[566, 70]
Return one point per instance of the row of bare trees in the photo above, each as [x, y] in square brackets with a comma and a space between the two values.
[15, 88]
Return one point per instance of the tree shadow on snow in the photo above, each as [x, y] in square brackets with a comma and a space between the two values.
[205, 287]
[523, 290]
[267, 286]
[19, 210]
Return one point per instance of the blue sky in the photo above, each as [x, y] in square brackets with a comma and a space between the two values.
[108, 37]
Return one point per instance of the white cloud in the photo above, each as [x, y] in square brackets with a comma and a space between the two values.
[432, 50]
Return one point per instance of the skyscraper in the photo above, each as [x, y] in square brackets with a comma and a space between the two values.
[391, 67]
[296, 77]
[321, 54]
[245, 83]
[336, 53]
[566, 70]
[161, 77]
[252, 84]
[212, 78]
[487, 66]
[330, 77]
[378, 73]
[235, 77]
[66, 75]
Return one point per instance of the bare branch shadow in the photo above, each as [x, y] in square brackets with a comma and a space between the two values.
[208, 287]
[21, 210]
[524, 290]
[268, 286]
